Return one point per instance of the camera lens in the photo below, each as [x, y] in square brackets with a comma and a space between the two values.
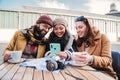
[51, 65]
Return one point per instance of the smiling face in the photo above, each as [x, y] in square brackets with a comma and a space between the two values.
[59, 30]
[44, 28]
[81, 29]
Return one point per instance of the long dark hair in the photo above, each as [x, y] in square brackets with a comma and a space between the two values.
[89, 38]
[63, 40]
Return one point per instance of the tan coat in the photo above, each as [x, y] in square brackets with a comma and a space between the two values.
[101, 51]
[18, 42]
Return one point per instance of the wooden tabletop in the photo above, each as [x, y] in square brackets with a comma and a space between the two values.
[15, 72]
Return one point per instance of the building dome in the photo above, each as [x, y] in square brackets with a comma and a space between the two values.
[113, 8]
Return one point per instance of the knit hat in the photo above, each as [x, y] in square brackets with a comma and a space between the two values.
[60, 21]
[45, 19]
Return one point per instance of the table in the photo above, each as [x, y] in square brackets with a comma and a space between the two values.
[15, 72]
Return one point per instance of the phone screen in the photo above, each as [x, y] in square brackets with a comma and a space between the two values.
[54, 48]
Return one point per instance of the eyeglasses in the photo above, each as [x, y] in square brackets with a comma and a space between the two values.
[81, 18]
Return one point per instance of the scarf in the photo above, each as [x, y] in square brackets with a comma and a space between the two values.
[33, 36]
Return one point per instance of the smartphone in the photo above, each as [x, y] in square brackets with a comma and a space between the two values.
[54, 48]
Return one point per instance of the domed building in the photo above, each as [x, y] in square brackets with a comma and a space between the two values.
[113, 10]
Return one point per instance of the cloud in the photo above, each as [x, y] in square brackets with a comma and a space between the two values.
[51, 4]
[91, 6]
[102, 6]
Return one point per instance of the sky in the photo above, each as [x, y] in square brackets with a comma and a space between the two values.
[90, 6]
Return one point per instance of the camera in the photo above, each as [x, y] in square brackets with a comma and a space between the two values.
[55, 63]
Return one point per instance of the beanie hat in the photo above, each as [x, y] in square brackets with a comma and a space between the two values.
[60, 21]
[45, 19]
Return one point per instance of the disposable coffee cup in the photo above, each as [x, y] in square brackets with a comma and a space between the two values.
[16, 55]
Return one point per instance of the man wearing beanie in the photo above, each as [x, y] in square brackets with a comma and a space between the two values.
[30, 41]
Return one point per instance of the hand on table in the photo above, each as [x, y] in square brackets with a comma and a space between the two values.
[7, 56]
